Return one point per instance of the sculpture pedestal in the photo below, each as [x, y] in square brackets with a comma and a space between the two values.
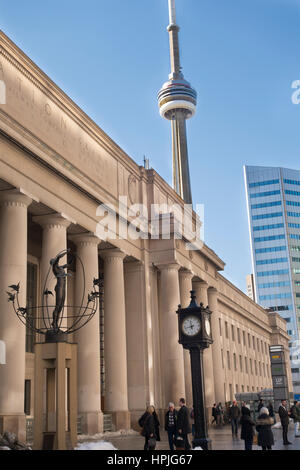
[55, 396]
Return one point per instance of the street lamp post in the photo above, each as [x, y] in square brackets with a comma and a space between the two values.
[194, 326]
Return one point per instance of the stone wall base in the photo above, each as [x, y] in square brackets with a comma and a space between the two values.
[15, 424]
[121, 419]
[91, 422]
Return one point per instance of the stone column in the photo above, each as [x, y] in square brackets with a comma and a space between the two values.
[88, 337]
[185, 283]
[172, 361]
[116, 393]
[201, 294]
[13, 269]
[219, 378]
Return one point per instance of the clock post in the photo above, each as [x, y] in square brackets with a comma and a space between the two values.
[195, 335]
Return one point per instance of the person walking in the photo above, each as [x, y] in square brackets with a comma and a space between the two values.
[247, 428]
[192, 417]
[219, 412]
[148, 430]
[214, 414]
[243, 407]
[295, 414]
[285, 420]
[234, 415]
[157, 425]
[183, 423]
[171, 425]
[271, 411]
[260, 405]
[263, 427]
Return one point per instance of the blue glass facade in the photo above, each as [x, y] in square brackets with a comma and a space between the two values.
[275, 236]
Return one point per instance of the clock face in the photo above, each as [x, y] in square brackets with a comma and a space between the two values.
[191, 326]
[207, 326]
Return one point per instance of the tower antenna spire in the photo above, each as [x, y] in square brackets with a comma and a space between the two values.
[172, 12]
[177, 102]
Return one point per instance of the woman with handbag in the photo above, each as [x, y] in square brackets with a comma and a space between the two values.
[247, 428]
[149, 429]
[263, 427]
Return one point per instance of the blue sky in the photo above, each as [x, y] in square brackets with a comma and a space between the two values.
[242, 56]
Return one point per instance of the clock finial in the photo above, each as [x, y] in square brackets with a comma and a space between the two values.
[193, 299]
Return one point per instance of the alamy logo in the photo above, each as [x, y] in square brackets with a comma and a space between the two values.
[296, 94]
[2, 92]
[159, 221]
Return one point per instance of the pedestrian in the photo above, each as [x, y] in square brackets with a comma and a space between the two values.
[271, 411]
[260, 405]
[243, 407]
[183, 423]
[157, 425]
[263, 427]
[285, 421]
[214, 414]
[148, 430]
[234, 415]
[192, 416]
[295, 414]
[247, 428]
[171, 425]
[219, 412]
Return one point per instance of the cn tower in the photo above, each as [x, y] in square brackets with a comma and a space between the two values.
[177, 102]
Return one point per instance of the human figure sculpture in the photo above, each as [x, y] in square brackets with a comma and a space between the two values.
[60, 288]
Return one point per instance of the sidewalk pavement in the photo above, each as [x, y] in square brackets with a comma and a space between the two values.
[221, 440]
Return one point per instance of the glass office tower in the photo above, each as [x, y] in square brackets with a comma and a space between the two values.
[273, 200]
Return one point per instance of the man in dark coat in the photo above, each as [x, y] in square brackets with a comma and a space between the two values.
[260, 405]
[148, 430]
[247, 431]
[171, 425]
[183, 423]
[234, 415]
[214, 414]
[285, 420]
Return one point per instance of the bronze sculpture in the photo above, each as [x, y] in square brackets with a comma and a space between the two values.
[60, 288]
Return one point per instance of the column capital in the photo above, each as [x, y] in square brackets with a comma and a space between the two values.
[112, 254]
[168, 267]
[186, 274]
[212, 291]
[202, 284]
[52, 220]
[14, 198]
[85, 239]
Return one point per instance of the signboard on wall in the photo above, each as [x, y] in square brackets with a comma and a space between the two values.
[279, 375]
[2, 353]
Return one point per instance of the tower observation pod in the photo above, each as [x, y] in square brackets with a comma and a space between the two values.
[177, 102]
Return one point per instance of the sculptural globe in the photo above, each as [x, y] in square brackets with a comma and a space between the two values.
[54, 318]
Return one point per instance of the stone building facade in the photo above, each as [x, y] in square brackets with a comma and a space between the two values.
[56, 167]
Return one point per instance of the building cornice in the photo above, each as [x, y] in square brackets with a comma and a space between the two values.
[32, 72]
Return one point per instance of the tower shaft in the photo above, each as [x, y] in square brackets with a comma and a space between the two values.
[181, 172]
[177, 102]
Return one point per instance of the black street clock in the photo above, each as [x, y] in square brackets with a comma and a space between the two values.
[194, 325]
[195, 334]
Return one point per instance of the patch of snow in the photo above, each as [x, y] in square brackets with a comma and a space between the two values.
[99, 445]
[277, 425]
[99, 436]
